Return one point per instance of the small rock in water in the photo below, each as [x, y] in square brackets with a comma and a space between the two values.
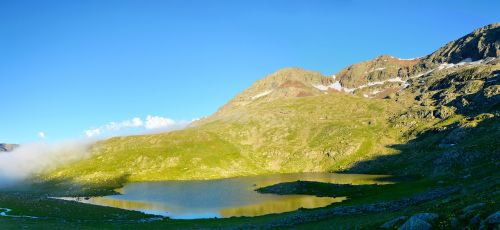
[390, 224]
[415, 223]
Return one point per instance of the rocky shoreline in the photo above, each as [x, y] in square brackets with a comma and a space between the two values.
[301, 216]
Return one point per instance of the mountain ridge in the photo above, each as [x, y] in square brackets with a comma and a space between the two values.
[376, 78]
[479, 44]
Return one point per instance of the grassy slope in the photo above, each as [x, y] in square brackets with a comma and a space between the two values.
[317, 133]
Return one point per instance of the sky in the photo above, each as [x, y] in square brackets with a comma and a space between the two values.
[77, 69]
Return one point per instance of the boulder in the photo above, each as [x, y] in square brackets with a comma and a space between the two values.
[476, 219]
[415, 223]
[493, 218]
[471, 208]
[428, 217]
[454, 222]
[391, 223]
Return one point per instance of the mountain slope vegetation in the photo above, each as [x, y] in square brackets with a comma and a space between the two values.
[419, 111]
[285, 135]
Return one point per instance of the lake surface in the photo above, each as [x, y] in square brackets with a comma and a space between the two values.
[223, 197]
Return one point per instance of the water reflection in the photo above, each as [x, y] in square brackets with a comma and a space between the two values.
[286, 204]
[223, 197]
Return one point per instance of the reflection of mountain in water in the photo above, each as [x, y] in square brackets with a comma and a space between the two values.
[279, 205]
[223, 197]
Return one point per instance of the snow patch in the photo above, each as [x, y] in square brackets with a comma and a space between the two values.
[265, 93]
[406, 59]
[396, 79]
[336, 86]
[422, 74]
[377, 69]
[467, 61]
[349, 90]
[405, 84]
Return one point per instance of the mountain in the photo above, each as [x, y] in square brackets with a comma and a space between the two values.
[285, 83]
[7, 147]
[480, 44]
[427, 116]
[377, 70]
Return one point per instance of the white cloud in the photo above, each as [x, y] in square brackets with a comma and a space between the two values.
[132, 123]
[135, 122]
[150, 123]
[92, 132]
[41, 135]
[157, 122]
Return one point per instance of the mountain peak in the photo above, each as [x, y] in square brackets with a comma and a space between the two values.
[284, 83]
[378, 69]
[480, 44]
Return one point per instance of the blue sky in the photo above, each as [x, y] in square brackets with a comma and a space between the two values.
[70, 66]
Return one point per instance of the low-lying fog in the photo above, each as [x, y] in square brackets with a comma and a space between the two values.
[28, 159]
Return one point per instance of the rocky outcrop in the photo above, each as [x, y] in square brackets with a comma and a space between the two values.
[426, 216]
[304, 217]
[391, 223]
[7, 147]
[480, 44]
[467, 211]
[415, 224]
[419, 221]
[381, 68]
[493, 219]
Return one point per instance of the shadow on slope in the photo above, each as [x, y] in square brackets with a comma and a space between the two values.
[459, 148]
[465, 137]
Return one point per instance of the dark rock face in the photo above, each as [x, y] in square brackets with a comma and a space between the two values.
[7, 147]
[483, 42]
[465, 91]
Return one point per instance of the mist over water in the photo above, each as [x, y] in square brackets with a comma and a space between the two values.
[29, 159]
